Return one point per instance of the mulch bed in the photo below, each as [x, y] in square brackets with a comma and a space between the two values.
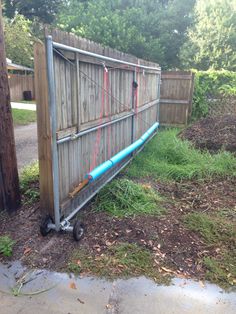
[173, 244]
[213, 133]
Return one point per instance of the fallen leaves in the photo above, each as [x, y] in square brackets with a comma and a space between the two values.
[72, 285]
[27, 250]
[109, 306]
[167, 270]
[108, 243]
[201, 283]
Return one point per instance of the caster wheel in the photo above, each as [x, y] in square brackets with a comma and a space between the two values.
[44, 230]
[78, 230]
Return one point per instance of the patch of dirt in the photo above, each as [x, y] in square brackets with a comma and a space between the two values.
[172, 244]
[213, 133]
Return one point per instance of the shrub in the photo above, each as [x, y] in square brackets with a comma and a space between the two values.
[211, 85]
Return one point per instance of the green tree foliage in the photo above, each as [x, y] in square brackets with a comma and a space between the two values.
[19, 40]
[212, 39]
[153, 29]
[41, 10]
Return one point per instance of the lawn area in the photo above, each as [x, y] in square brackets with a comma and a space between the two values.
[170, 213]
[23, 116]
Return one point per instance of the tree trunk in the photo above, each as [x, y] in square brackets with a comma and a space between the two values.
[9, 180]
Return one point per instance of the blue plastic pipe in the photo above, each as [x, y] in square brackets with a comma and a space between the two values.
[104, 167]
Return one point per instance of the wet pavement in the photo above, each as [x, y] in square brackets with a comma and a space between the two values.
[41, 291]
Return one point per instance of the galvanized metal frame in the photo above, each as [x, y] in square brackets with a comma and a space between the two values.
[75, 211]
[93, 190]
[95, 55]
[53, 121]
[100, 126]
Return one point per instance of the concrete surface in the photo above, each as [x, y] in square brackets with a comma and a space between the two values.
[19, 105]
[67, 294]
[26, 144]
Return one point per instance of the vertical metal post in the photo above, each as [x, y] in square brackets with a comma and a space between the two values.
[53, 122]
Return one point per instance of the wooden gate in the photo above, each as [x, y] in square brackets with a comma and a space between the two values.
[92, 103]
[176, 97]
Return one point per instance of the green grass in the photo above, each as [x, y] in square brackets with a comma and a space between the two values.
[33, 102]
[218, 231]
[123, 198]
[169, 158]
[6, 245]
[212, 229]
[23, 116]
[120, 260]
[29, 179]
[221, 271]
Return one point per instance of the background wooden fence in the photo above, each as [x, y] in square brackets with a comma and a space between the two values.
[176, 97]
[20, 83]
[88, 95]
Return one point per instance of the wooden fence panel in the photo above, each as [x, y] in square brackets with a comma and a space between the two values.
[18, 84]
[89, 93]
[176, 97]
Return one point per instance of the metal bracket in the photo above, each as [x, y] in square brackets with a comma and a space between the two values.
[66, 226]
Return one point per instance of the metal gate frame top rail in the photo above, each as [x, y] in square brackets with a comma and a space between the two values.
[98, 56]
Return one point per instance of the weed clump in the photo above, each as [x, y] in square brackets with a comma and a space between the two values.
[29, 179]
[123, 198]
[6, 245]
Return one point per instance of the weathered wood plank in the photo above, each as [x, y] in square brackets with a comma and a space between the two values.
[66, 132]
[44, 130]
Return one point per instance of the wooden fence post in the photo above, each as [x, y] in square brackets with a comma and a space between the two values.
[44, 130]
[9, 180]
